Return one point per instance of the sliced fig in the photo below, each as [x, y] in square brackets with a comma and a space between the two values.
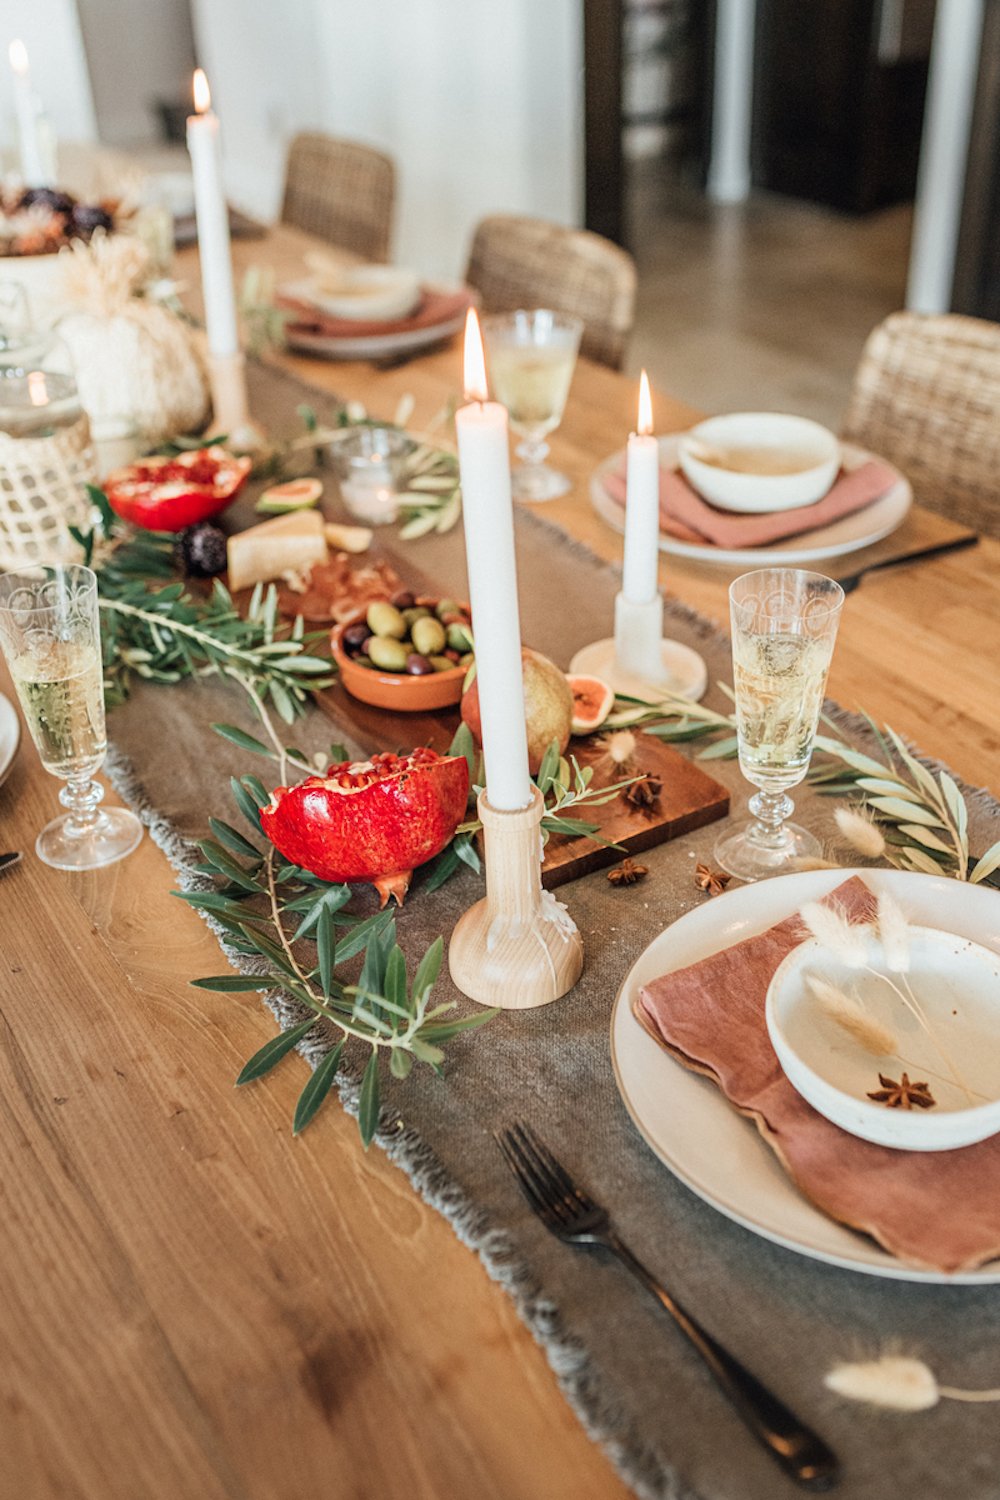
[593, 700]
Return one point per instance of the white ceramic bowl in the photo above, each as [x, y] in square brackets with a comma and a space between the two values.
[369, 293]
[810, 451]
[957, 983]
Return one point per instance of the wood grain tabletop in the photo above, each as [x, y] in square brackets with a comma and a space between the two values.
[194, 1304]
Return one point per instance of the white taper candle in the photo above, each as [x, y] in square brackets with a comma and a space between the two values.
[213, 223]
[642, 507]
[26, 107]
[484, 460]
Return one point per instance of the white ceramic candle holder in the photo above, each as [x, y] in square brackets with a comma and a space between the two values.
[637, 660]
[519, 947]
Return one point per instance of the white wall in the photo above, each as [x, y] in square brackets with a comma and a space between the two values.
[138, 51]
[480, 103]
[51, 32]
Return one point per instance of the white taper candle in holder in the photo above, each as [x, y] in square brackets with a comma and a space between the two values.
[519, 947]
[227, 371]
[638, 661]
[29, 138]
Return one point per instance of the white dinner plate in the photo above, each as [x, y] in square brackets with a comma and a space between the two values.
[10, 736]
[377, 345]
[849, 534]
[686, 1120]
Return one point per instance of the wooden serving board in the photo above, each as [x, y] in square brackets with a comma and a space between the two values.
[690, 798]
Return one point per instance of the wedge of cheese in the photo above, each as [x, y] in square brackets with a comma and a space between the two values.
[291, 543]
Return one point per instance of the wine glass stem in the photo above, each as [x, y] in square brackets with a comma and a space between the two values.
[770, 808]
[82, 797]
[532, 451]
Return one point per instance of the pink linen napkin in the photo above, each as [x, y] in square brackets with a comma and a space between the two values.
[686, 515]
[433, 308]
[933, 1208]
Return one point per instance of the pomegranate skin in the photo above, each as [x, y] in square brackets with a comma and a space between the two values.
[372, 820]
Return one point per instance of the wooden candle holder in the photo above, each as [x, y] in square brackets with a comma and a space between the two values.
[519, 947]
[227, 379]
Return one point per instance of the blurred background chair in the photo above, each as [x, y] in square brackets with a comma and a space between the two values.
[341, 191]
[926, 396]
[519, 262]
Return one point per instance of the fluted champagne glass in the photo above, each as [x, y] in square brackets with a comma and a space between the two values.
[50, 635]
[784, 624]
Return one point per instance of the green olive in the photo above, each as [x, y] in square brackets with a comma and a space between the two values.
[387, 653]
[414, 613]
[447, 607]
[466, 660]
[429, 636]
[385, 619]
[442, 663]
[460, 637]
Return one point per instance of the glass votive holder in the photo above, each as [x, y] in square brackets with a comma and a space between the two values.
[370, 462]
[117, 441]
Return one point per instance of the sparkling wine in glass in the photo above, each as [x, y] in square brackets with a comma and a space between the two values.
[50, 634]
[784, 624]
[532, 356]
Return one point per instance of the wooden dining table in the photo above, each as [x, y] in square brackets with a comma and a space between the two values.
[196, 1305]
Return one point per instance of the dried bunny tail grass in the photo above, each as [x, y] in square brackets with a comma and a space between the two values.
[848, 941]
[894, 933]
[899, 1382]
[102, 276]
[850, 1015]
[893, 1380]
[861, 832]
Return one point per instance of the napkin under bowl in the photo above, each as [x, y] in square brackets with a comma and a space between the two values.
[688, 516]
[935, 1209]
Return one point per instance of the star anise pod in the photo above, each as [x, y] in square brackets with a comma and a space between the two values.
[643, 795]
[627, 873]
[712, 881]
[904, 1094]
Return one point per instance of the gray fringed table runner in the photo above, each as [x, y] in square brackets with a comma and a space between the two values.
[633, 1381]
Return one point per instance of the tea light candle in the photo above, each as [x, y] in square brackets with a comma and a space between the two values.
[484, 461]
[642, 507]
[26, 106]
[212, 214]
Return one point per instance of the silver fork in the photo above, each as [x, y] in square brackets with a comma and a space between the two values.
[572, 1215]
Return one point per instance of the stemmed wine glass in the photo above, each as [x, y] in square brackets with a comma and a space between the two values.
[784, 624]
[50, 635]
[532, 355]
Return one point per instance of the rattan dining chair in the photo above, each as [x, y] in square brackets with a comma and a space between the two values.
[519, 262]
[341, 191]
[926, 396]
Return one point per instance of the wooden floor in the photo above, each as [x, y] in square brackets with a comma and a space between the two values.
[758, 306]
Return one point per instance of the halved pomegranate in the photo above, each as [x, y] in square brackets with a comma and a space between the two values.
[372, 820]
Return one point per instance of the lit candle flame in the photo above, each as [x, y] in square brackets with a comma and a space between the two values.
[645, 426]
[201, 91]
[18, 54]
[38, 393]
[476, 388]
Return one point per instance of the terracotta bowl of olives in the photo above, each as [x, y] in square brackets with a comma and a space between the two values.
[410, 654]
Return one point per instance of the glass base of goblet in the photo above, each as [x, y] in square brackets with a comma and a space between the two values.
[66, 844]
[743, 852]
[538, 482]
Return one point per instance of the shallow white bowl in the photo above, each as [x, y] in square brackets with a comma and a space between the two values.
[798, 437]
[957, 983]
[369, 293]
